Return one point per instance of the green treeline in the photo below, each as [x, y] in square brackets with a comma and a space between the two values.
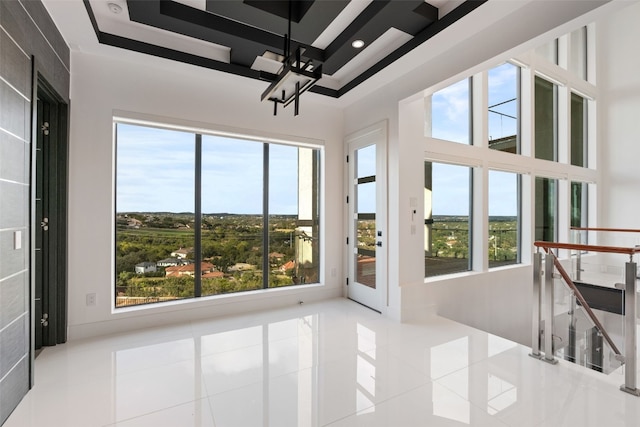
[227, 240]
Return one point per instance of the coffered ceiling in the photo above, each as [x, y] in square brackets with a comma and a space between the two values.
[247, 37]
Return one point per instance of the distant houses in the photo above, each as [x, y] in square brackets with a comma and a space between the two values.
[146, 267]
[134, 223]
[188, 270]
[182, 253]
[180, 263]
[172, 262]
[288, 266]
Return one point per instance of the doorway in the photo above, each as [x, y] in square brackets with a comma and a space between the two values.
[49, 212]
[367, 216]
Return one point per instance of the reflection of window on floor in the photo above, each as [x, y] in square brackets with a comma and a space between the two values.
[243, 365]
[500, 394]
[365, 370]
[204, 215]
[449, 358]
[447, 198]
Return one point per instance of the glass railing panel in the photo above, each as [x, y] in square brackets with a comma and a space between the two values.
[575, 336]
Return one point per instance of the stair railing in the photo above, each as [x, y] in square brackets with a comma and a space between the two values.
[551, 262]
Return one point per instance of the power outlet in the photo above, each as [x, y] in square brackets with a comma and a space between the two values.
[91, 299]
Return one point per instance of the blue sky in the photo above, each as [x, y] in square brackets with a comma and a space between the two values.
[155, 170]
[450, 121]
[155, 167]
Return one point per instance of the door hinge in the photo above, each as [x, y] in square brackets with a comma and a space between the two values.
[347, 281]
[44, 321]
[347, 159]
[347, 240]
[347, 199]
[44, 224]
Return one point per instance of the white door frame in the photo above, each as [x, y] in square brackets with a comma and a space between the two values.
[376, 299]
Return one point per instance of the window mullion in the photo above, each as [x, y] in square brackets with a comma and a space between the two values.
[197, 283]
[265, 216]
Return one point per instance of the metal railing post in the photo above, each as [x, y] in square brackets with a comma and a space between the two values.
[548, 309]
[536, 303]
[630, 346]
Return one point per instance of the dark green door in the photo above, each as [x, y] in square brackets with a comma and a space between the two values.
[41, 221]
[50, 220]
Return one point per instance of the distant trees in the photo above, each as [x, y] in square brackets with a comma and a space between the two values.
[226, 241]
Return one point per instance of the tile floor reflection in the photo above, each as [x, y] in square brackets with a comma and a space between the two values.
[333, 363]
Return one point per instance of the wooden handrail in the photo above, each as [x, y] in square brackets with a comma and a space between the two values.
[592, 248]
[583, 302]
[617, 230]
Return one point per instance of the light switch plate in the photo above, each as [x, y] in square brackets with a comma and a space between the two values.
[17, 239]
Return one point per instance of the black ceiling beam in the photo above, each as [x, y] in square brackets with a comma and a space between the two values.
[245, 40]
[449, 19]
[410, 16]
[320, 14]
[294, 9]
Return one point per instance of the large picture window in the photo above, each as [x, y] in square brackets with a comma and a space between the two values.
[447, 218]
[200, 215]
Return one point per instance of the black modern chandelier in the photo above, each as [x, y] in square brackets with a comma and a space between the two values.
[294, 77]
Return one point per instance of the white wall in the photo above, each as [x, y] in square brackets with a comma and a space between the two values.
[619, 120]
[152, 86]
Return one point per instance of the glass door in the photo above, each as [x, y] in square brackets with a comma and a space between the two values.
[367, 218]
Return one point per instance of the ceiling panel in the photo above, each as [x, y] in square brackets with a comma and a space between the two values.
[245, 37]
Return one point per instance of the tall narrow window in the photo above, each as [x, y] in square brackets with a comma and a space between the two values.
[504, 107]
[545, 120]
[294, 255]
[546, 207]
[579, 204]
[504, 208]
[232, 235]
[578, 53]
[200, 215]
[154, 215]
[447, 218]
[578, 130]
[451, 113]
[579, 211]
[365, 197]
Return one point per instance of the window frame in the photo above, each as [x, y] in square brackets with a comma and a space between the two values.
[470, 221]
[518, 230]
[518, 100]
[197, 130]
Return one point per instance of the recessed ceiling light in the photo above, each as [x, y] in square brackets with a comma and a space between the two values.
[115, 8]
[358, 44]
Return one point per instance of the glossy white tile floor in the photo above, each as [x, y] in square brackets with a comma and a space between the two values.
[334, 363]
